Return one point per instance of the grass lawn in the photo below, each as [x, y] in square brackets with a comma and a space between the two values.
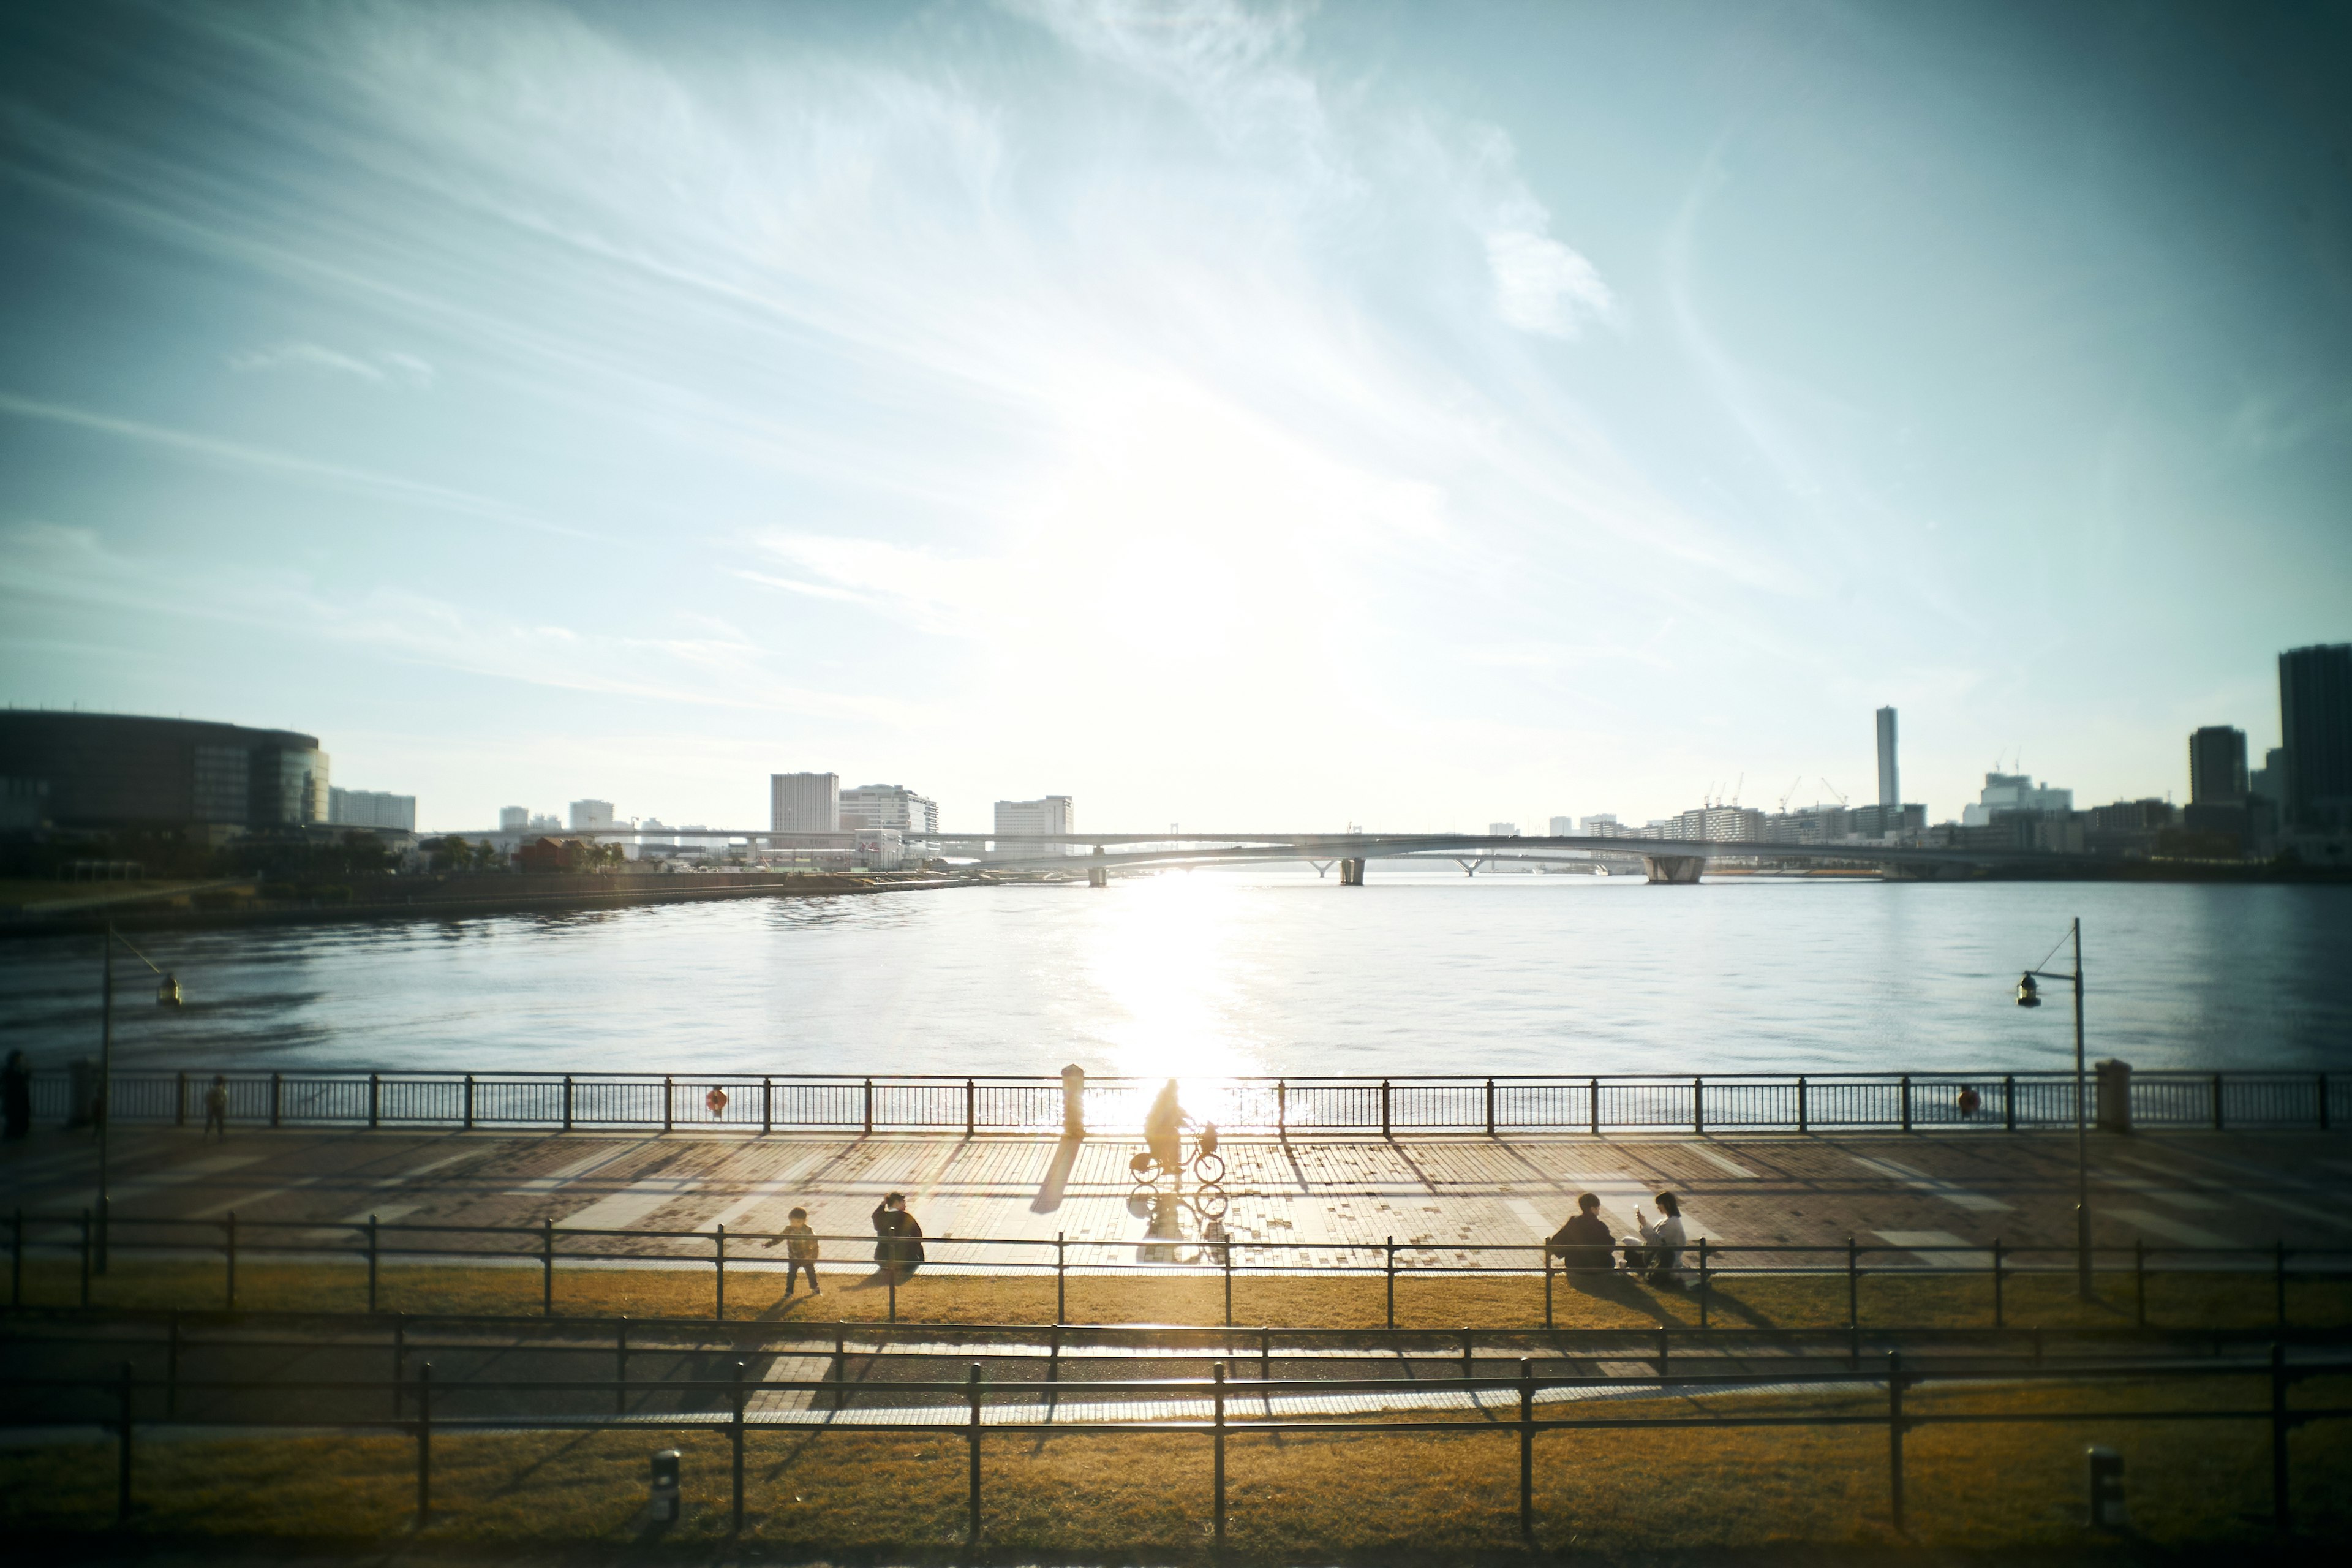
[1889, 1299]
[1399, 1494]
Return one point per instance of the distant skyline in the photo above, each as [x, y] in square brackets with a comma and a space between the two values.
[1245, 415]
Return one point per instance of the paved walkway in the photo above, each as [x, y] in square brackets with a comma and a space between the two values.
[1439, 1197]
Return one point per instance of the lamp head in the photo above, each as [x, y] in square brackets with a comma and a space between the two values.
[2028, 994]
[167, 994]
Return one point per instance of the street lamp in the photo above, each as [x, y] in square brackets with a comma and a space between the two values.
[2029, 995]
[167, 994]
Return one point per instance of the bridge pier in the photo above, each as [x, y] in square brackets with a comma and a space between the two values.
[1321, 868]
[1351, 873]
[1099, 874]
[1673, 868]
[1469, 868]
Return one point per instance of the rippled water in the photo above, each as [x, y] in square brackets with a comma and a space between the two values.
[1212, 974]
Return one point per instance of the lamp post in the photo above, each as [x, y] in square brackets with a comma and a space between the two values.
[2029, 995]
[167, 994]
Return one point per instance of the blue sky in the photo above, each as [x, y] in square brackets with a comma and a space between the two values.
[1253, 416]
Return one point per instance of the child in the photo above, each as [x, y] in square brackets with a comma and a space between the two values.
[800, 1252]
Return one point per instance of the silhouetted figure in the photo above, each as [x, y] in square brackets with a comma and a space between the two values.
[1584, 1243]
[898, 1237]
[16, 1095]
[217, 1106]
[1163, 1131]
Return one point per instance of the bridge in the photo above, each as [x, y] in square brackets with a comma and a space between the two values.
[1664, 860]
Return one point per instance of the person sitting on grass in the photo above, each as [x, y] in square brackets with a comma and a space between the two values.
[800, 1253]
[1658, 1252]
[898, 1237]
[1583, 1244]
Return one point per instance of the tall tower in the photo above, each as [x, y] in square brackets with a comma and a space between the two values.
[1890, 786]
[2217, 766]
[2315, 729]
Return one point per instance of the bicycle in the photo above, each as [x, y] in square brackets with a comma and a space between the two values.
[1206, 1166]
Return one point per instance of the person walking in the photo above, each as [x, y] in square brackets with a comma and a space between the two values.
[1658, 1252]
[897, 1237]
[17, 1096]
[216, 1107]
[1584, 1243]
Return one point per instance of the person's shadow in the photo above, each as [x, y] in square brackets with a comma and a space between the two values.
[1617, 1288]
[1057, 1176]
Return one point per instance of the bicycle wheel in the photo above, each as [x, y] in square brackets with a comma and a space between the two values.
[1208, 1168]
[1210, 1203]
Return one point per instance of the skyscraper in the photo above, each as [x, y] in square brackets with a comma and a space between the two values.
[2217, 766]
[2315, 726]
[1890, 788]
[804, 803]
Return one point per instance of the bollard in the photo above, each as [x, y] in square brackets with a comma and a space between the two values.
[662, 1504]
[1526, 1449]
[424, 1443]
[2104, 1475]
[123, 1459]
[1217, 1375]
[736, 1435]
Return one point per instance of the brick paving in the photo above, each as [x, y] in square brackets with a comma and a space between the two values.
[1438, 1196]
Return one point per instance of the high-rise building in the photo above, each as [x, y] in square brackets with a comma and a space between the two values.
[514, 818]
[2217, 766]
[591, 813]
[889, 805]
[2315, 729]
[804, 803]
[1563, 827]
[2269, 780]
[371, 808]
[1890, 784]
[1017, 820]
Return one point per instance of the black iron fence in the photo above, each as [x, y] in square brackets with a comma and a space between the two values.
[1502, 1105]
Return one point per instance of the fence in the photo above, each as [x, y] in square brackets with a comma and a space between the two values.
[1224, 1402]
[745, 1103]
[1706, 1266]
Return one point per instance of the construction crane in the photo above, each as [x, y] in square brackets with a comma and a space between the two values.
[1790, 792]
[1833, 790]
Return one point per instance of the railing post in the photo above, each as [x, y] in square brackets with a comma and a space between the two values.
[547, 1268]
[371, 1262]
[621, 1366]
[669, 1102]
[376, 1100]
[2140, 1282]
[1490, 1108]
[470, 1102]
[123, 1459]
[1527, 1449]
[1217, 1376]
[567, 1102]
[869, 1108]
[1906, 1102]
[424, 1443]
[1392, 1273]
[2278, 1277]
[2009, 1103]
[180, 1102]
[1546, 1269]
[2000, 1307]
[1853, 1300]
[2216, 1102]
[399, 1364]
[735, 1433]
[970, 1107]
[2282, 1499]
[85, 1257]
[2321, 1087]
[171, 1372]
[1595, 1107]
[16, 1257]
[1061, 1277]
[718, 1282]
[767, 1105]
[972, 1426]
[1225, 1247]
[1698, 1105]
[1804, 1115]
[892, 1275]
[1266, 1353]
[1895, 1436]
[1665, 1353]
[1385, 1132]
[231, 1223]
[840, 1365]
[276, 1097]
[1702, 1282]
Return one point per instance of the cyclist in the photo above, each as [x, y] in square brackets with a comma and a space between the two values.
[1163, 1132]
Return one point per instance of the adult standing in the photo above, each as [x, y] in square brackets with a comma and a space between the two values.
[897, 1237]
[16, 1095]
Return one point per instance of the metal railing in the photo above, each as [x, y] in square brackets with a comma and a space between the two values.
[1224, 1405]
[1503, 1104]
[1703, 1269]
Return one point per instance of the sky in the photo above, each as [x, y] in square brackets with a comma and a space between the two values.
[1248, 415]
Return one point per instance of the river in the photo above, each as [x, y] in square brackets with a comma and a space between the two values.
[1205, 974]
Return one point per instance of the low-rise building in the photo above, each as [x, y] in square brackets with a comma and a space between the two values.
[371, 808]
[889, 805]
[2014, 791]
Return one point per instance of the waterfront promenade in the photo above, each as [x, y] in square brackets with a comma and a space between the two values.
[1436, 1195]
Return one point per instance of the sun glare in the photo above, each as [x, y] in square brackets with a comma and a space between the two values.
[1161, 962]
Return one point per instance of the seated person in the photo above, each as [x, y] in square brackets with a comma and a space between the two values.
[1584, 1242]
[1656, 1254]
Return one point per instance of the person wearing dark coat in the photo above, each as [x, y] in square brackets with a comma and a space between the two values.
[16, 1095]
[897, 1237]
[1585, 1242]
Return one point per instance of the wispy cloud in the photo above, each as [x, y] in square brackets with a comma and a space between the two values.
[387, 368]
